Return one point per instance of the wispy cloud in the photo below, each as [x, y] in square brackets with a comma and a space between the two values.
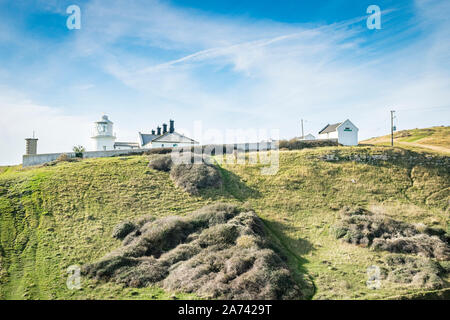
[20, 117]
[146, 61]
[298, 70]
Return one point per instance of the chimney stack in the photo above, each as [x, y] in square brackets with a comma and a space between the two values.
[164, 128]
[158, 131]
[172, 126]
[31, 146]
[153, 132]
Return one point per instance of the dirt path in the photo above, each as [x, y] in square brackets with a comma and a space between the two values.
[435, 148]
[383, 141]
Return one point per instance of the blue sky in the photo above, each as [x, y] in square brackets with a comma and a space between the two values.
[229, 64]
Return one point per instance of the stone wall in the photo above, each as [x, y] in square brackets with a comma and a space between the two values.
[409, 158]
[37, 159]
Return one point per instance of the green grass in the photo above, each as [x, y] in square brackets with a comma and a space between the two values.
[300, 204]
[57, 216]
[434, 138]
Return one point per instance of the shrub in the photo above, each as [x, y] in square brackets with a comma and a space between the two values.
[79, 150]
[123, 229]
[295, 144]
[419, 272]
[354, 210]
[361, 227]
[421, 244]
[194, 177]
[339, 231]
[161, 163]
[158, 151]
[63, 157]
[246, 241]
[218, 251]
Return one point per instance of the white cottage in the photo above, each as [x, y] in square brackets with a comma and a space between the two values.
[346, 133]
[104, 139]
[308, 137]
[165, 138]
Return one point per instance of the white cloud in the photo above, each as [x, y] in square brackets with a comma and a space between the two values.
[56, 131]
[284, 72]
[238, 73]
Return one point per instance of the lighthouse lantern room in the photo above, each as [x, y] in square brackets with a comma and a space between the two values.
[103, 136]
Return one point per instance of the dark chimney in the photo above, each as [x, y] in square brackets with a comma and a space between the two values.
[153, 132]
[164, 128]
[158, 130]
[172, 126]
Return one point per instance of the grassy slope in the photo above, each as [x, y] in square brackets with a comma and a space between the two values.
[434, 138]
[54, 217]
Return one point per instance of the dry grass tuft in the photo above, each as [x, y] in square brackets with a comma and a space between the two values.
[416, 271]
[218, 251]
[161, 163]
[295, 144]
[123, 229]
[192, 177]
[361, 227]
[63, 157]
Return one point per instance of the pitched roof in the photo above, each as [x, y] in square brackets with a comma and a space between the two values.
[173, 137]
[330, 128]
[147, 138]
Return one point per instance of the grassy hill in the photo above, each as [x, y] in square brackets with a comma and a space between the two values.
[433, 139]
[52, 217]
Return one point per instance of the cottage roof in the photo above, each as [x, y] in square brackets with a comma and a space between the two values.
[330, 128]
[147, 138]
[173, 137]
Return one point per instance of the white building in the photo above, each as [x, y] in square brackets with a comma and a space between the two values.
[126, 145]
[346, 133]
[103, 137]
[165, 138]
[308, 137]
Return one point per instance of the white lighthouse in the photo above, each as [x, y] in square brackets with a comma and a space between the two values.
[103, 135]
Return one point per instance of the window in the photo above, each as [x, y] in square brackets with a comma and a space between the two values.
[101, 128]
[175, 145]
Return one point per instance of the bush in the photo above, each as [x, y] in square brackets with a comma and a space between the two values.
[422, 244]
[295, 144]
[361, 227]
[354, 210]
[419, 272]
[161, 163]
[194, 177]
[63, 157]
[79, 150]
[123, 229]
[218, 251]
[158, 151]
[246, 241]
